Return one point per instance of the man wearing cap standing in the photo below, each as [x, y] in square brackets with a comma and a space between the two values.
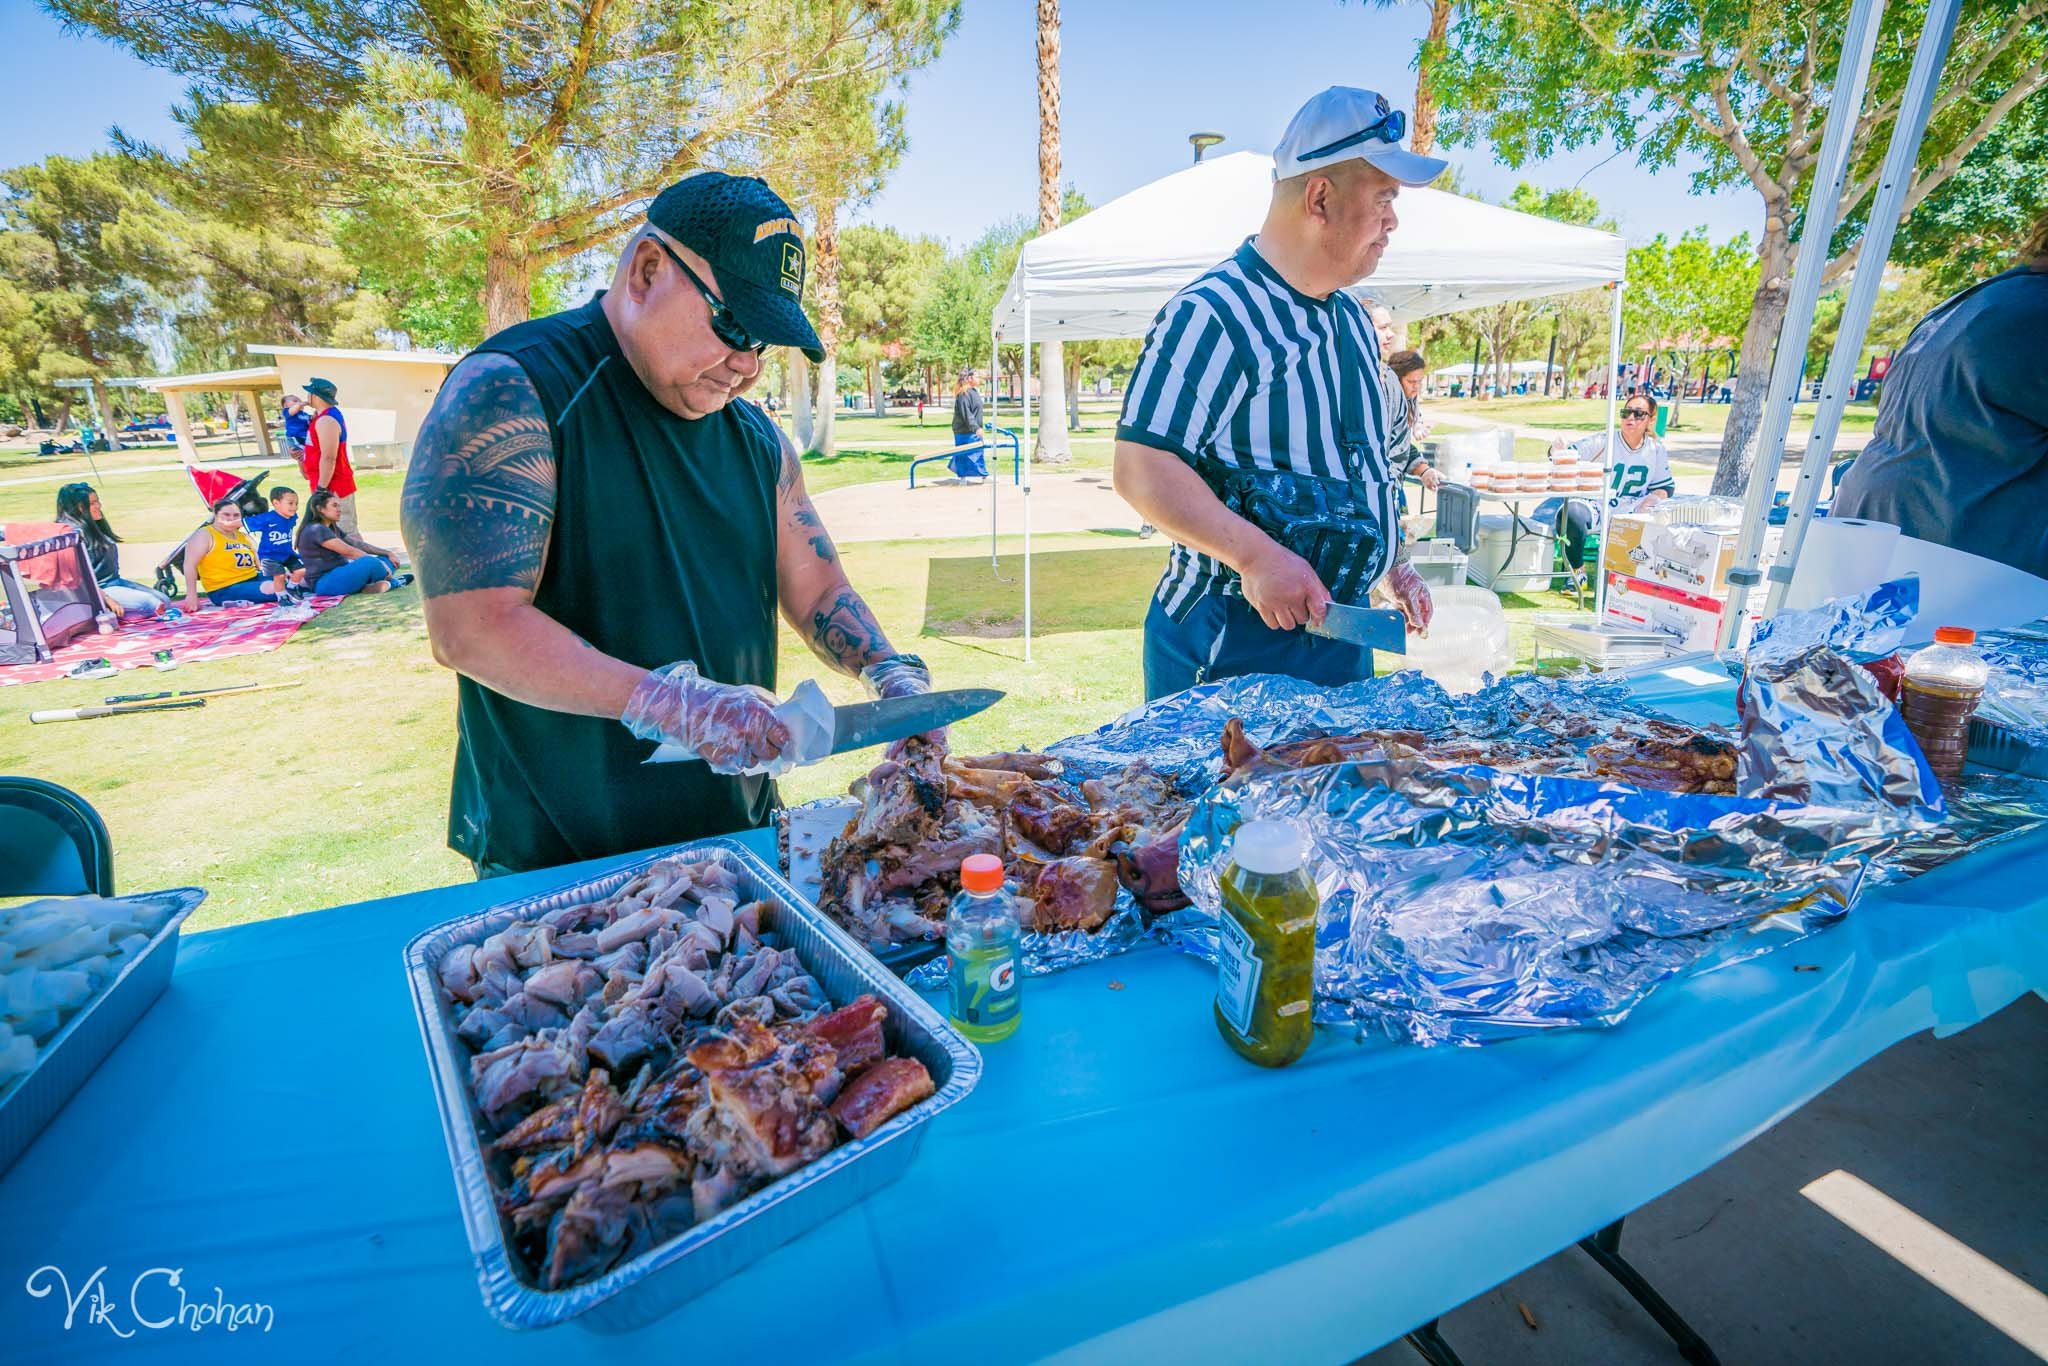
[604, 529]
[325, 461]
[1256, 431]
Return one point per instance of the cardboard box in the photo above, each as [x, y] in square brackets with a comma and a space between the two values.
[1693, 620]
[1694, 558]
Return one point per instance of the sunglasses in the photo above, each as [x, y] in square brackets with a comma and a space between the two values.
[1635, 412]
[724, 325]
[1388, 127]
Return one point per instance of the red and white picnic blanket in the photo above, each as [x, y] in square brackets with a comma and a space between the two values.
[213, 633]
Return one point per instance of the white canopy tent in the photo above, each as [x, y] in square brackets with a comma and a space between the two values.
[1108, 274]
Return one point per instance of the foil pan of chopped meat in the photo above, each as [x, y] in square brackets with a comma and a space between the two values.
[650, 1079]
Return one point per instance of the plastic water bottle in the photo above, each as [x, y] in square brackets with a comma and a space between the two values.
[982, 936]
[1942, 685]
[1266, 945]
[105, 621]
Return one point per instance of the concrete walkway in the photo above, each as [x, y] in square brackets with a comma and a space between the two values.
[1079, 501]
[1949, 1129]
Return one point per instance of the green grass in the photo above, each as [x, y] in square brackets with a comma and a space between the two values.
[336, 791]
[1584, 415]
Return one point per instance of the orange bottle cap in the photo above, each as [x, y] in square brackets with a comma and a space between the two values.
[1955, 635]
[981, 873]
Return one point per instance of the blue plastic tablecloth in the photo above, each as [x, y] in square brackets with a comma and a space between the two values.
[1120, 1184]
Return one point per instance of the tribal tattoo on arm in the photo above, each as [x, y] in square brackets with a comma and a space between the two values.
[479, 499]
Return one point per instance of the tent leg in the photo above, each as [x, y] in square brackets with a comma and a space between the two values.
[1859, 41]
[1936, 33]
[1027, 480]
[988, 427]
[1613, 388]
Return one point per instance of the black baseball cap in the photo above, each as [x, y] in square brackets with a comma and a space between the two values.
[755, 246]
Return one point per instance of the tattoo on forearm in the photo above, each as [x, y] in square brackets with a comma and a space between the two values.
[479, 499]
[847, 634]
[806, 517]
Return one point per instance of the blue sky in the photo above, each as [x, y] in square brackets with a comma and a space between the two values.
[1137, 77]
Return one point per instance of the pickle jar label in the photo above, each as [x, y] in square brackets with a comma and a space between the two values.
[1237, 974]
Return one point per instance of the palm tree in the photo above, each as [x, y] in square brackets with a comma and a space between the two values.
[1052, 372]
[1423, 137]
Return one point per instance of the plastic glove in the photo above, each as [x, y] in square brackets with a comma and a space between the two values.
[900, 677]
[1413, 594]
[730, 726]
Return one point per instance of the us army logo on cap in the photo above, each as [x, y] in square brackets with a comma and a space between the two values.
[793, 268]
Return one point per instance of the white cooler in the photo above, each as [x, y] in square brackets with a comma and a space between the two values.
[1489, 568]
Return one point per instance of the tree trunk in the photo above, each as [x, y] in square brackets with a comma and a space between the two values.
[875, 387]
[35, 405]
[508, 286]
[1052, 447]
[63, 417]
[1423, 138]
[828, 406]
[1753, 364]
[1074, 394]
[830, 318]
[800, 401]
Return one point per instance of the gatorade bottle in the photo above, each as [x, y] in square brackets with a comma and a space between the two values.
[1941, 688]
[1266, 945]
[981, 941]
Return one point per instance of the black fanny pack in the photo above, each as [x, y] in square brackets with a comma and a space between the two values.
[1334, 524]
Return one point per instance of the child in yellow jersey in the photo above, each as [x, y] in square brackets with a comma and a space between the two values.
[221, 561]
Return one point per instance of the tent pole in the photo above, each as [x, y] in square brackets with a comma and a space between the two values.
[1607, 456]
[988, 427]
[1929, 57]
[1026, 382]
[1845, 106]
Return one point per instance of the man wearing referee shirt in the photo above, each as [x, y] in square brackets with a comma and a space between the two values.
[1255, 430]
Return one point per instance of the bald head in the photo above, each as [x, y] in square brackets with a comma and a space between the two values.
[1328, 228]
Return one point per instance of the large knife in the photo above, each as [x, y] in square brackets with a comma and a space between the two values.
[1377, 628]
[861, 724]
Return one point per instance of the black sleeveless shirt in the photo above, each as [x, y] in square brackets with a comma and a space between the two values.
[663, 549]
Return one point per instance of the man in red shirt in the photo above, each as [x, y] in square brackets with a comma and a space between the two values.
[326, 460]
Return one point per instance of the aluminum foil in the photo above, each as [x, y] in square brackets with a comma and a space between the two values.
[1463, 905]
[2016, 697]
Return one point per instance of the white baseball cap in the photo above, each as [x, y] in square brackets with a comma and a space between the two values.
[1344, 122]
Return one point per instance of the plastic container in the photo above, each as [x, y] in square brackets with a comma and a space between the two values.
[1481, 478]
[1468, 638]
[1942, 686]
[982, 936]
[1439, 562]
[1266, 945]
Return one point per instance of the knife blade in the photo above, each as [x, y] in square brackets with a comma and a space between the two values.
[1377, 628]
[861, 724]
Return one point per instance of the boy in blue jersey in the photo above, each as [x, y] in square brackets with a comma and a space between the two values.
[273, 531]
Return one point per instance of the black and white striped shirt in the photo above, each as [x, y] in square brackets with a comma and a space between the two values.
[1242, 371]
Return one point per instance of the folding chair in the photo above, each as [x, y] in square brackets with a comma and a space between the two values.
[52, 843]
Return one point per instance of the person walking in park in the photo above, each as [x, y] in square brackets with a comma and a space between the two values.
[1259, 400]
[326, 460]
[1959, 453]
[604, 527]
[967, 417]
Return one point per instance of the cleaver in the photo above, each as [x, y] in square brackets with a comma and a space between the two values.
[1377, 628]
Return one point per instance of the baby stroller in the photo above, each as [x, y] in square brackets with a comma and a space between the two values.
[214, 485]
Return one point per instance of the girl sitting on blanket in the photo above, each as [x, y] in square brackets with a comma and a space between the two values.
[79, 505]
[221, 561]
[339, 562]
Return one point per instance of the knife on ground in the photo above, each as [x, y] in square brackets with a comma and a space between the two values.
[1377, 628]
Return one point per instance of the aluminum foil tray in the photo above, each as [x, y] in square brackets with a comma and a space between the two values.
[662, 1279]
[75, 1052]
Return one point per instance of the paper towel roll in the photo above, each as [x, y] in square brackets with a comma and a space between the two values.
[1842, 555]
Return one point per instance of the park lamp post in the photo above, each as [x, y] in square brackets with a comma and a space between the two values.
[1202, 142]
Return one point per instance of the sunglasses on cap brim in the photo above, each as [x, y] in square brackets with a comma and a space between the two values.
[1388, 128]
[724, 325]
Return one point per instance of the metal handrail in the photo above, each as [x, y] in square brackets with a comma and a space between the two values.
[1009, 438]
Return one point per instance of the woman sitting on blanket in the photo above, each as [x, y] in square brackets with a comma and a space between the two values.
[221, 561]
[79, 505]
[338, 562]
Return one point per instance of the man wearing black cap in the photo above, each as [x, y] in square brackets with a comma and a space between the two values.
[604, 530]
